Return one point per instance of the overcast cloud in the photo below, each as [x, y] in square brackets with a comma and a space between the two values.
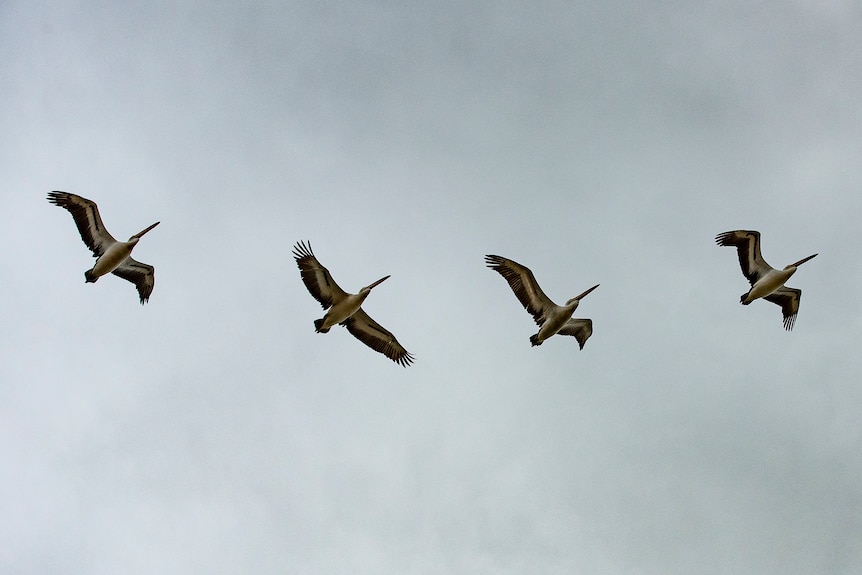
[212, 431]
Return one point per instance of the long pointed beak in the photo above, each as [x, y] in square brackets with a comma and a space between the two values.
[380, 281]
[586, 292]
[139, 234]
[802, 261]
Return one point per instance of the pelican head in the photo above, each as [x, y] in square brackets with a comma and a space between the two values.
[578, 298]
[799, 263]
[368, 288]
[140, 234]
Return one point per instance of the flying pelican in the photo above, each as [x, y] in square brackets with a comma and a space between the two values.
[114, 257]
[550, 317]
[766, 281]
[345, 308]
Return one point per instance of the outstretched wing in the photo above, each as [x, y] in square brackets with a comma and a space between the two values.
[86, 216]
[316, 277]
[525, 286]
[582, 329]
[377, 337]
[788, 299]
[142, 275]
[747, 245]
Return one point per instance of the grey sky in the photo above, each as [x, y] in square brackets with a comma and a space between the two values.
[212, 431]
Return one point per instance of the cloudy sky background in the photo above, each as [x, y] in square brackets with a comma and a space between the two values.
[212, 431]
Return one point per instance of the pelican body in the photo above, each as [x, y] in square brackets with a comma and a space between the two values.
[113, 256]
[766, 281]
[551, 318]
[345, 308]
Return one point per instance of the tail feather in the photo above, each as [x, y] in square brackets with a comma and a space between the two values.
[742, 298]
[90, 276]
[318, 326]
[534, 339]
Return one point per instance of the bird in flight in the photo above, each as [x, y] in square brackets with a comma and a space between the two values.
[113, 256]
[766, 281]
[346, 308]
[551, 318]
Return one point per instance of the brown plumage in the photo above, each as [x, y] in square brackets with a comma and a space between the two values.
[766, 281]
[345, 308]
[551, 318]
[113, 256]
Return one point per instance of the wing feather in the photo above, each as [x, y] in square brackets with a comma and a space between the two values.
[582, 329]
[524, 284]
[377, 337]
[140, 274]
[788, 299]
[316, 278]
[87, 218]
[747, 244]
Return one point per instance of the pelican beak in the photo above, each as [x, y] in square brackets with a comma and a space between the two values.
[586, 292]
[802, 261]
[141, 233]
[380, 281]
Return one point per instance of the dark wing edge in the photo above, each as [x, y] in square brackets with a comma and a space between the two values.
[375, 336]
[87, 219]
[788, 299]
[316, 278]
[523, 284]
[582, 329]
[747, 244]
[140, 274]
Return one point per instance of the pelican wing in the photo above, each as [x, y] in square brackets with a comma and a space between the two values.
[142, 275]
[525, 286]
[316, 277]
[747, 245]
[87, 218]
[582, 329]
[788, 299]
[377, 337]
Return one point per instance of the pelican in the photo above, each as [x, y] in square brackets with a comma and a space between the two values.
[550, 317]
[346, 308]
[114, 257]
[766, 281]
